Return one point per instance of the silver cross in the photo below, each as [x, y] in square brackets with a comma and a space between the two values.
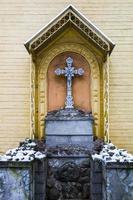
[69, 72]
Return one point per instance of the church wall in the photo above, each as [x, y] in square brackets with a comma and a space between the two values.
[20, 19]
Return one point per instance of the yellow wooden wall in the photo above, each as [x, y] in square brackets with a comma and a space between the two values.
[20, 19]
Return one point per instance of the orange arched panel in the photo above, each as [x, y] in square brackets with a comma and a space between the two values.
[57, 84]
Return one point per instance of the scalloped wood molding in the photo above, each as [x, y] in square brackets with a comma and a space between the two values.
[69, 17]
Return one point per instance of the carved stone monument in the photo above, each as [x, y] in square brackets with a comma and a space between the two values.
[69, 126]
[69, 139]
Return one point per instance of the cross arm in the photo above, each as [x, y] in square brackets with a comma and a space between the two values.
[79, 71]
[59, 71]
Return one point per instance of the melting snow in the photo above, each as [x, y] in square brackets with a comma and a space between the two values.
[23, 153]
[110, 153]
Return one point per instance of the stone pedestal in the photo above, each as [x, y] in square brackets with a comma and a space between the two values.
[69, 127]
[68, 173]
[69, 139]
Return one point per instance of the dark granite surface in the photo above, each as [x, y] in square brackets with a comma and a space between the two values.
[70, 173]
[68, 114]
[68, 178]
[68, 151]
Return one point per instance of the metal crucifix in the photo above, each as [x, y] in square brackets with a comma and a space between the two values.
[69, 72]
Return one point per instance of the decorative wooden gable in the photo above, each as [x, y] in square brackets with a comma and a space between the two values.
[69, 17]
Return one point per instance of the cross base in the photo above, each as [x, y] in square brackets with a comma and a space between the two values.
[69, 102]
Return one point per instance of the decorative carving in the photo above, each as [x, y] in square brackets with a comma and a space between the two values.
[72, 18]
[68, 178]
[69, 171]
[95, 81]
[69, 72]
[32, 98]
[106, 99]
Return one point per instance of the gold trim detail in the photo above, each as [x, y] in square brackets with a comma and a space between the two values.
[32, 97]
[106, 98]
[43, 64]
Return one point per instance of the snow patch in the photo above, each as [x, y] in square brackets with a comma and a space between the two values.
[24, 153]
[110, 153]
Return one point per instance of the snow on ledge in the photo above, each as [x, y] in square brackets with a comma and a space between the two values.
[25, 153]
[110, 153]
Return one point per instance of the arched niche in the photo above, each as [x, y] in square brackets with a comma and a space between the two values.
[56, 85]
[72, 32]
[43, 64]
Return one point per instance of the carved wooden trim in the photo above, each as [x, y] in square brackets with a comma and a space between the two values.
[106, 98]
[32, 97]
[42, 81]
[70, 17]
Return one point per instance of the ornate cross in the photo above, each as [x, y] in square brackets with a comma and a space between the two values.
[69, 72]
